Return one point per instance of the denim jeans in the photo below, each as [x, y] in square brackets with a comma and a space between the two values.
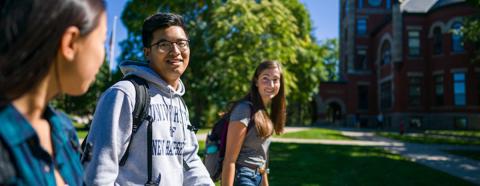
[245, 176]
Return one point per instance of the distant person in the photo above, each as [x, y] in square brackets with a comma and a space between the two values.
[47, 48]
[173, 159]
[253, 121]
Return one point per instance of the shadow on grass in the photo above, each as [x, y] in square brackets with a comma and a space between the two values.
[310, 164]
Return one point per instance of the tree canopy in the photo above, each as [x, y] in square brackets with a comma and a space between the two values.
[471, 30]
[228, 39]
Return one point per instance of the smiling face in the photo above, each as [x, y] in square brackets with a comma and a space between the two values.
[268, 84]
[169, 64]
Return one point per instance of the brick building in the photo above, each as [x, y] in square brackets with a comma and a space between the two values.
[404, 59]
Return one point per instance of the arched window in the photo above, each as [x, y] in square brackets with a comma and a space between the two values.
[457, 38]
[386, 54]
[437, 41]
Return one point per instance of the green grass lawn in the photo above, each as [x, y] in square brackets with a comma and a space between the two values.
[204, 130]
[429, 139]
[466, 153]
[311, 165]
[82, 133]
[82, 130]
[316, 133]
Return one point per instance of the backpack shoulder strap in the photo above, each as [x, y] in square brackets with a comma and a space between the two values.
[252, 122]
[142, 100]
[140, 111]
[192, 127]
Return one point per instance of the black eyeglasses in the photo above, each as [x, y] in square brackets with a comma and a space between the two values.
[167, 46]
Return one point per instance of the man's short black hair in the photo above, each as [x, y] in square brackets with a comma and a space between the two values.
[159, 21]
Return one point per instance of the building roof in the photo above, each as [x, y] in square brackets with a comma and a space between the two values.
[424, 6]
[442, 3]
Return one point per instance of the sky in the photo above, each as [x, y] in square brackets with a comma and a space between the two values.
[323, 13]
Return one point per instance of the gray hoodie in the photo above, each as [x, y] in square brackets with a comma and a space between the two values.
[175, 159]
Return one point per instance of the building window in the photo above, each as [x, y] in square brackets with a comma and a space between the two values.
[386, 53]
[414, 43]
[438, 90]
[361, 27]
[415, 91]
[375, 3]
[459, 89]
[457, 38]
[361, 60]
[460, 122]
[386, 95]
[362, 97]
[360, 4]
[437, 41]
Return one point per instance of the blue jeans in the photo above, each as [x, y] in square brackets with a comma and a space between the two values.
[245, 176]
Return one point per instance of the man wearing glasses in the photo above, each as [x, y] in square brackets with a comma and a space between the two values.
[173, 158]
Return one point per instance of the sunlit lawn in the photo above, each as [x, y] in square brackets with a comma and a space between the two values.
[316, 133]
[82, 133]
[430, 138]
[311, 165]
[204, 130]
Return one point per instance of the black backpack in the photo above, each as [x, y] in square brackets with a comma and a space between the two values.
[139, 114]
[215, 144]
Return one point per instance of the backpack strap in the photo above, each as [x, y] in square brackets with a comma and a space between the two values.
[251, 116]
[150, 181]
[140, 112]
[192, 127]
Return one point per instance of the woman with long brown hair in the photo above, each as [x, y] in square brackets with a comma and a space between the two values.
[253, 120]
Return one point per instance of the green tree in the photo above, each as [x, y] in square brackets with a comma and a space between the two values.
[228, 40]
[471, 30]
[331, 59]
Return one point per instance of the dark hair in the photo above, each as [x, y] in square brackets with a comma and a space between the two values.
[277, 116]
[31, 35]
[159, 21]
